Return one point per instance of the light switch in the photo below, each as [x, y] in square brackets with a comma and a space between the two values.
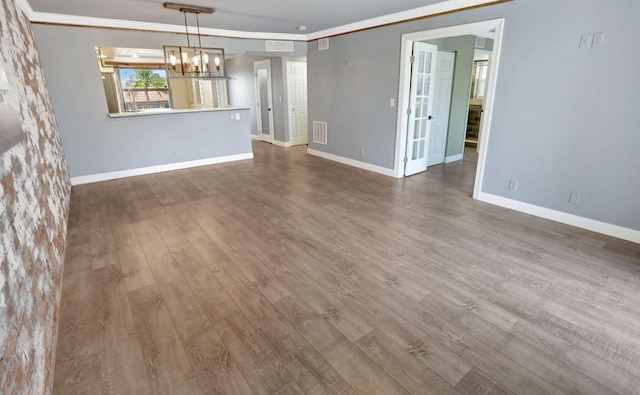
[598, 40]
[574, 198]
[586, 40]
[392, 102]
[237, 116]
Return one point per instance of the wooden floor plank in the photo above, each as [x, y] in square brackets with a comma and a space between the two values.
[292, 274]
[122, 363]
[312, 373]
[168, 367]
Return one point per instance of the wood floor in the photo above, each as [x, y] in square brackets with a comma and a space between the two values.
[293, 274]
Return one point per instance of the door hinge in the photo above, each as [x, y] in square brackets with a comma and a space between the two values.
[405, 160]
[409, 111]
[413, 59]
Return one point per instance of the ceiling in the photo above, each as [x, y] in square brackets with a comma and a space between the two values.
[273, 16]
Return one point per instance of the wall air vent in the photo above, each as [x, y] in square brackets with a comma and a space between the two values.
[323, 44]
[480, 42]
[279, 46]
[320, 132]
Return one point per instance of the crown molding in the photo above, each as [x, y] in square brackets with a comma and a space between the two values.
[442, 7]
[75, 20]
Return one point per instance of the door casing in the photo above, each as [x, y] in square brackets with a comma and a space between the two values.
[497, 25]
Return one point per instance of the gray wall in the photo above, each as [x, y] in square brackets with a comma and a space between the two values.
[563, 118]
[95, 143]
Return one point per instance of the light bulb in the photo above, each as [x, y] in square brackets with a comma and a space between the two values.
[216, 60]
[172, 59]
[185, 58]
[196, 60]
[205, 58]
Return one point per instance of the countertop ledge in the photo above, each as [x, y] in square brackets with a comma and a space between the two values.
[189, 111]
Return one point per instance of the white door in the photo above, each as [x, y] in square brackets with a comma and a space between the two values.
[441, 107]
[421, 100]
[264, 100]
[297, 99]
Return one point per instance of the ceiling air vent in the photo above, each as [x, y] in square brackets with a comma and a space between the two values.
[323, 44]
[480, 41]
[320, 132]
[279, 46]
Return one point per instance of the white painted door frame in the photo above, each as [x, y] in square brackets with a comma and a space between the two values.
[405, 80]
[257, 65]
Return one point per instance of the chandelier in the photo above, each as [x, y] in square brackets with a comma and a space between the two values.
[193, 61]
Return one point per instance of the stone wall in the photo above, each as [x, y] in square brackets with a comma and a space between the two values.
[34, 204]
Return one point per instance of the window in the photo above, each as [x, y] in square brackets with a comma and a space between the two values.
[136, 80]
[144, 89]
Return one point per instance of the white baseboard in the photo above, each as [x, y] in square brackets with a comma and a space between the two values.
[255, 137]
[453, 158]
[157, 169]
[565, 218]
[279, 143]
[351, 162]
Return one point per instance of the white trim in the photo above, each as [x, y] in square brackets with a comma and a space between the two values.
[420, 12]
[565, 218]
[255, 137]
[351, 162]
[433, 9]
[453, 158]
[404, 89]
[45, 17]
[279, 143]
[487, 112]
[157, 169]
[26, 8]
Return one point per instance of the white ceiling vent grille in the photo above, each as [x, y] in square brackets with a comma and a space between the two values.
[320, 132]
[279, 46]
[323, 44]
[480, 42]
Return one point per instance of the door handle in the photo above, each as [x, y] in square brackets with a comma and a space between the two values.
[429, 117]
[268, 109]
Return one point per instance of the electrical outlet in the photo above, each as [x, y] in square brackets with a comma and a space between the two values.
[598, 40]
[237, 116]
[392, 102]
[232, 116]
[586, 40]
[513, 185]
[574, 198]
[361, 152]
[173, 154]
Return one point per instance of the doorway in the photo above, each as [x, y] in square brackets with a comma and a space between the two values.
[409, 107]
[264, 100]
[479, 76]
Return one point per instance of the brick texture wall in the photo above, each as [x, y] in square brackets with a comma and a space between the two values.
[34, 204]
